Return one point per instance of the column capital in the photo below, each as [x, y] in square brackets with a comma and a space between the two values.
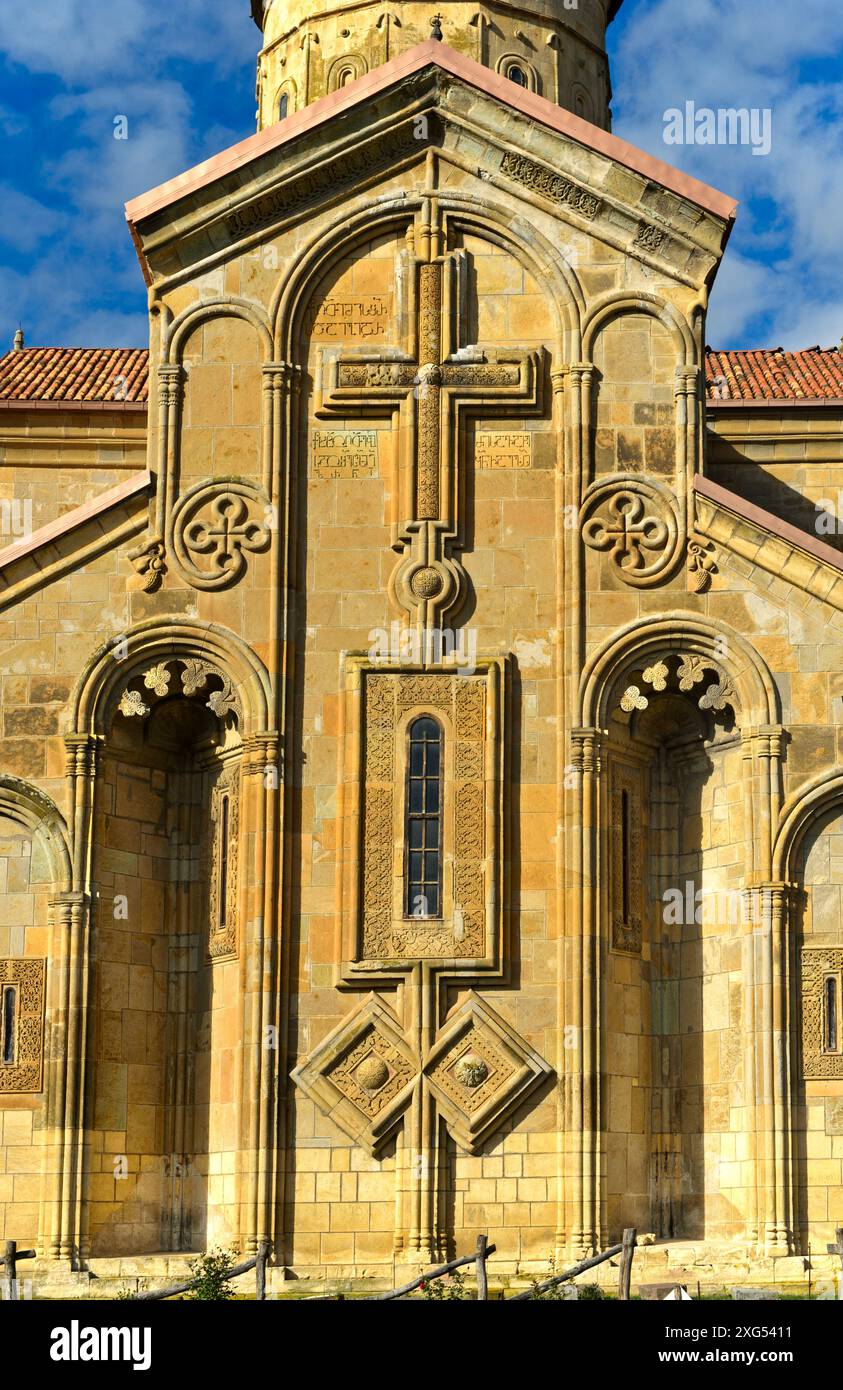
[82, 753]
[278, 376]
[587, 748]
[686, 381]
[171, 379]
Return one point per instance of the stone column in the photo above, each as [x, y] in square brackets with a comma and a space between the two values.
[261, 1024]
[83, 758]
[58, 1151]
[585, 1061]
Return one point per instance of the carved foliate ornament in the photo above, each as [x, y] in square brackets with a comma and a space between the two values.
[132, 703]
[195, 676]
[680, 672]
[149, 559]
[701, 566]
[27, 978]
[632, 699]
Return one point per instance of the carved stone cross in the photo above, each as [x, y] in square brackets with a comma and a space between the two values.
[430, 378]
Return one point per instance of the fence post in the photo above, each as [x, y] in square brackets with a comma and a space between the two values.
[9, 1262]
[260, 1270]
[627, 1252]
[482, 1286]
[837, 1249]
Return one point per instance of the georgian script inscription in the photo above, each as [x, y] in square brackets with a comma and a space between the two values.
[344, 453]
[355, 164]
[352, 318]
[503, 449]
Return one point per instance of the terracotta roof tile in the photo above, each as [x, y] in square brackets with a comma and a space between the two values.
[816, 374]
[93, 375]
[80, 375]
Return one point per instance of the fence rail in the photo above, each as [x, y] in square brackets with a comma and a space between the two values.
[483, 1250]
[626, 1250]
[257, 1263]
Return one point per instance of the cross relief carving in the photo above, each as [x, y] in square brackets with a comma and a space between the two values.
[412, 1068]
[429, 381]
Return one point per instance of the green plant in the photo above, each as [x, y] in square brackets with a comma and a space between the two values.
[447, 1288]
[591, 1291]
[212, 1276]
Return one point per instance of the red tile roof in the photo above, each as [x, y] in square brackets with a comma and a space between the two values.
[774, 375]
[93, 376]
[113, 376]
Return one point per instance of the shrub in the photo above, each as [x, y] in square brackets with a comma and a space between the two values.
[212, 1273]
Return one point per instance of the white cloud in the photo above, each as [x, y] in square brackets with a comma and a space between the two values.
[80, 41]
[25, 221]
[783, 273]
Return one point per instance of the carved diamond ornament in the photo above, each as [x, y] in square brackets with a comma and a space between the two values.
[362, 1075]
[479, 1070]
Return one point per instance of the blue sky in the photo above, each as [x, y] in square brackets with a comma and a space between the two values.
[183, 76]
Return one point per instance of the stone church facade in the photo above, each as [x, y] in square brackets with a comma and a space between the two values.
[421, 799]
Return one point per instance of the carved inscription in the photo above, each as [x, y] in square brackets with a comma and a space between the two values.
[503, 449]
[344, 453]
[352, 318]
[326, 179]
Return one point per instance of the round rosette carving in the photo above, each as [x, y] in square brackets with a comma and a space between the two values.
[215, 526]
[440, 584]
[636, 522]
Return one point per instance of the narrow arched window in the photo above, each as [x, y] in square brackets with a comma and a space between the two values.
[831, 1014]
[7, 1026]
[283, 103]
[222, 860]
[626, 841]
[423, 820]
[517, 75]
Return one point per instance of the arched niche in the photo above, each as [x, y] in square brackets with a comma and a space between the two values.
[809, 858]
[34, 874]
[680, 755]
[170, 734]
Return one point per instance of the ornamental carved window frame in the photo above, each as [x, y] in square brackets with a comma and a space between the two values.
[222, 937]
[819, 963]
[28, 977]
[370, 887]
